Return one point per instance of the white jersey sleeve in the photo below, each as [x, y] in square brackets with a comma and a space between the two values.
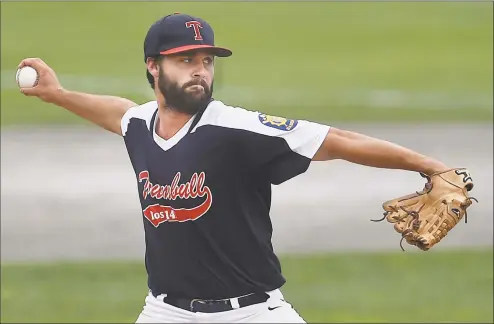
[142, 112]
[275, 147]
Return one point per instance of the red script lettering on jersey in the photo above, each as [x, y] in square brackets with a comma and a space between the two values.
[193, 188]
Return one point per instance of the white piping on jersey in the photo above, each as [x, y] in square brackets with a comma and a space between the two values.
[304, 139]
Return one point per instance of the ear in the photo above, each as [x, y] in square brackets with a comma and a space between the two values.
[153, 67]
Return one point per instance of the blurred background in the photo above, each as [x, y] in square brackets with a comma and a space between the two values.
[415, 73]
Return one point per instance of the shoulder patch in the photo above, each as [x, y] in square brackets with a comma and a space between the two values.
[280, 123]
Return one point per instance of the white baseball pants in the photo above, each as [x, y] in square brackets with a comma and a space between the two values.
[156, 311]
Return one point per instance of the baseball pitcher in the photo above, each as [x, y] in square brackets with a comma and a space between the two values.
[204, 171]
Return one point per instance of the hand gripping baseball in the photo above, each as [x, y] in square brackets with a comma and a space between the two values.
[48, 85]
[425, 217]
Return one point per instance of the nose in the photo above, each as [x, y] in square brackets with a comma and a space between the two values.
[200, 71]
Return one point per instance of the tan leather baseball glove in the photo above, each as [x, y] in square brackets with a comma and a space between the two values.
[425, 217]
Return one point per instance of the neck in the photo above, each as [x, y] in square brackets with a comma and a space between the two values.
[169, 121]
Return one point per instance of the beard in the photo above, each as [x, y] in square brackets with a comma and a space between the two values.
[178, 99]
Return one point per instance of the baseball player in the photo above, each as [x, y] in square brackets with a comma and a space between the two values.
[204, 172]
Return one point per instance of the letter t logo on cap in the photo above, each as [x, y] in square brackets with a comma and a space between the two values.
[196, 25]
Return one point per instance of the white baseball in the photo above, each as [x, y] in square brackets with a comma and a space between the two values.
[26, 77]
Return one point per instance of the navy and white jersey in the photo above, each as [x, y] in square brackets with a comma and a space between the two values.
[206, 194]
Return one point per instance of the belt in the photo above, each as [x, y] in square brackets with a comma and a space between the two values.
[215, 306]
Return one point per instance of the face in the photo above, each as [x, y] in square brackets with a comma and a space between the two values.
[186, 81]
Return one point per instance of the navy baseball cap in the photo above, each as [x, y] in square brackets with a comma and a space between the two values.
[179, 33]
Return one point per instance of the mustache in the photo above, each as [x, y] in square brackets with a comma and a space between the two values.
[200, 82]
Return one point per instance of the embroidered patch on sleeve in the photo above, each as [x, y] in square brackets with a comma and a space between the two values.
[280, 123]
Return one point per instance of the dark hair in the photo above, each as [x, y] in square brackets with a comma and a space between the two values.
[150, 78]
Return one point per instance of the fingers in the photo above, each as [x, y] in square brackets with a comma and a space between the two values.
[28, 91]
[35, 63]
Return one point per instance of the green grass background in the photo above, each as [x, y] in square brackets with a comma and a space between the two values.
[434, 287]
[304, 60]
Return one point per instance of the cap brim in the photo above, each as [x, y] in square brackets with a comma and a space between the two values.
[218, 51]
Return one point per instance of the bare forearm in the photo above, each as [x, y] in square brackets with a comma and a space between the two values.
[365, 150]
[104, 111]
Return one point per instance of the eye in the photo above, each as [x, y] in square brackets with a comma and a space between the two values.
[208, 60]
[186, 59]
